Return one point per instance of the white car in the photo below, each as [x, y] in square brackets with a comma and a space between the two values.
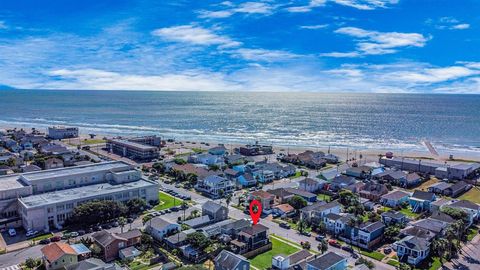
[12, 232]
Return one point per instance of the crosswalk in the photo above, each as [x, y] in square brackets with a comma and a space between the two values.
[13, 267]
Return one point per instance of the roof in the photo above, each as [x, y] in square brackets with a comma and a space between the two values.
[433, 225]
[465, 204]
[105, 238]
[460, 185]
[212, 206]
[299, 256]
[309, 182]
[159, 222]
[130, 251]
[393, 214]
[142, 147]
[419, 232]
[255, 229]
[228, 260]
[372, 226]
[326, 261]
[321, 206]
[414, 242]
[89, 264]
[261, 194]
[56, 250]
[131, 234]
[423, 195]
[441, 186]
[286, 208]
[300, 192]
[231, 172]
[437, 215]
[395, 195]
[198, 222]
[397, 174]
[333, 216]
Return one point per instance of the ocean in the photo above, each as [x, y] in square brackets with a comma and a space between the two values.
[359, 121]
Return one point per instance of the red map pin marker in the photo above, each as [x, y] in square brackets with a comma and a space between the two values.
[255, 215]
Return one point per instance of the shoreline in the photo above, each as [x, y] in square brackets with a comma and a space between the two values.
[368, 154]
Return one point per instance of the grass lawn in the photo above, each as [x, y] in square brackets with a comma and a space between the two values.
[296, 175]
[41, 237]
[431, 264]
[374, 255]
[472, 232]
[472, 195]
[166, 201]
[393, 263]
[408, 212]
[323, 197]
[426, 184]
[93, 141]
[264, 260]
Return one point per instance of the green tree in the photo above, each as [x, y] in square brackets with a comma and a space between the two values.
[228, 199]
[440, 248]
[198, 240]
[136, 205]
[31, 263]
[214, 167]
[301, 225]
[322, 246]
[391, 233]
[297, 202]
[159, 167]
[93, 212]
[122, 221]
[404, 266]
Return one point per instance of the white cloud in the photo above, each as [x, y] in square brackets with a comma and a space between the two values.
[243, 8]
[461, 26]
[358, 4]
[314, 27]
[375, 43]
[3, 25]
[194, 35]
[433, 75]
[265, 55]
[449, 23]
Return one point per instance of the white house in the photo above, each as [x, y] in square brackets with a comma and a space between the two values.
[158, 228]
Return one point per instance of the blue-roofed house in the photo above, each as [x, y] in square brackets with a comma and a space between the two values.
[421, 200]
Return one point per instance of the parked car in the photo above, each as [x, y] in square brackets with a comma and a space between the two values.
[319, 237]
[387, 250]
[355, 255]
[347, 248]
[285, 225]
[115, 224]
[81, 232]
[44, 241]
[129, 220]
[74, 234]
[334, 243]
[55, 238]
[12, 232]
[306, 233]
[97, 228]
[106, 226]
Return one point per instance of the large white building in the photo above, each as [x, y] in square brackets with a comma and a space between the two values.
[43, 200]
[61, 132]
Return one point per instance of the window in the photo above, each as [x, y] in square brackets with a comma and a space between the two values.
[60, 207]
[49, 210]
[69, 205]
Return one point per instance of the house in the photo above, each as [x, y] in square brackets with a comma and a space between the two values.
[393, 217]
[253, 238]
[355, 187]
[392, 176]
[215, 211]
[83, 252]
[457, 189]
[373, 191]
[53, 163]
[281, 195]
[366, 235]
[439, 188]
[246, 180]
[284, 210]
[412, 249]
[418, 232]
[218, 150]
[195, 169]
[313, 160]
[237, 159]
[311, 185]
[421, 200]
[361, 172]
[227, 260]
[472, 209]
[206, 159]
[215, 186]
[328, 261]
[129, 253]
[53, 149]
[394, 198]
[336, 223]
[179, 239]
[435, 226]
[109, 243]
[93, 264]
[283, 262]
[308, 196]
[255, 149]
[159, 228]
[317, 211]
[133, 237]
[341, 181]
[31, 168]
[231, 174]
[198, 222]
[266, 200]
[411, 180]
[58, 255]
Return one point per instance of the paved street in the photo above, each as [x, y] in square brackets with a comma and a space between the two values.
[470, 257]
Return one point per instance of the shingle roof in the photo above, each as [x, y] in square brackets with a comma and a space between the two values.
[371, 227]
[198, 222]
[395, 195]
[460, 185]
[131, 234]
[211, 206]
[299, 256]
[326, 261]
[423, 195]
[441, 186]
[158, 222]
[228, 260]
[300, 192]
[105, 238]
[262, 194]
[393, 214]
[255, 229]
[286, 208]
[56, 250]
[333, 216]
[465, 204]
[413, 242]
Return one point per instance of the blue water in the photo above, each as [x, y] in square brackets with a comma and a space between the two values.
[386, 121]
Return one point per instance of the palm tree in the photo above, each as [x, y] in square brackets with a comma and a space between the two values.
[122, 221]
[228, 199]
[184, 207]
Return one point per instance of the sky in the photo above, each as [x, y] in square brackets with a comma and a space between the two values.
[383, 46]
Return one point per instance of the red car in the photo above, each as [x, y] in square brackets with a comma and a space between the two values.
[334, 243]
[55, 238]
